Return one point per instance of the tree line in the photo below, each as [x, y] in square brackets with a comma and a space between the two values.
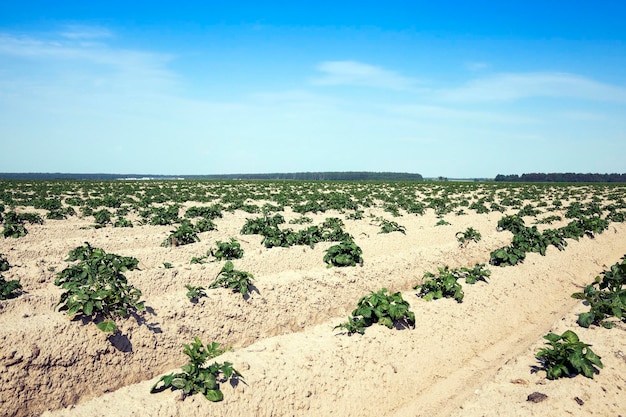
[300, 176]
[561, 177]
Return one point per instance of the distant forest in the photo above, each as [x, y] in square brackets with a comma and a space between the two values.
[300, 176]
[562, 177]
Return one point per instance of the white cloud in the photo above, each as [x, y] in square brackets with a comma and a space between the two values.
[77, 32]
[74, 61]
[358, 73]
[508, 87]
[476, 66]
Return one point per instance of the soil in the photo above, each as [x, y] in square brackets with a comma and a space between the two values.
[472, 358]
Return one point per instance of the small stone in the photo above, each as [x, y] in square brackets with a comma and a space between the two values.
[520, 381]
[536, 397]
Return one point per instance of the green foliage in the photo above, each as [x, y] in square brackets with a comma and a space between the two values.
[549, 219]
[260, 225]
[379, 307]
[238, 281]
[387, 226]
[513, 224]
[439, 286]
[470, 234]
[167, 265]
[4, 263]
[227, 250]
[478, 272]
[183, 235]
[163, 216]
[205, 225]
[102, 217]
[346, 253]
[31, 218]
[301, 220]
[196, 378]
[8, 289]
[96, 288]
[13, 226]
[122, 222]
[442, 222]
[195, 292]
[356, 215]
[567, 356]
[528, 210]
[606, 297]
[210, 213]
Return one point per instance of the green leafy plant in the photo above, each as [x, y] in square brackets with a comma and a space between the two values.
[167, 265]
[195, 292]
[9, 289]
[444, 285]
[4, 263]
[196, 377]
[470, 234]
[442, 222]
[227, 250]
[478, 272]
[379, 307]
[229, 277]
[567, 356]
[387, 226]
[13, 226]
[96, 288]
[346, 253]
[606, 297]
[183, 235]
[122, 222]
[205, 225]
[102, 217]
[301, 220]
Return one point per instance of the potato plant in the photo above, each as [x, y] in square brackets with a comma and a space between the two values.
[470, 234]
[195, 292]
[567, 356]
[229, 277]
[8, 289]
[379, 307]
[185, 234]
[196, 377]
[606, 297]
[13, 226]
[96, 288]
[444, 285]
[346, 253]
[227, 250]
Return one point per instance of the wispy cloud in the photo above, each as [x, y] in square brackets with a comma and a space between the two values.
[70, 54]
[476, 66]
[358, 73]
[508, 87]
[86, 32]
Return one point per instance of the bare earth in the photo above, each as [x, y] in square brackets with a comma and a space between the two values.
[463, 359]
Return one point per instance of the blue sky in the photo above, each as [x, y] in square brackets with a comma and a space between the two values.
[451, 88]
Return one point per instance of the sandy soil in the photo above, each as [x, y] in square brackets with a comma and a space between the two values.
[463, 359]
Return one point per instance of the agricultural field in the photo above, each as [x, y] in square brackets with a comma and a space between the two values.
[289, 298]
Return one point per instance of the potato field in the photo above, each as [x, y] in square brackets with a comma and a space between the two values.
[296, 298]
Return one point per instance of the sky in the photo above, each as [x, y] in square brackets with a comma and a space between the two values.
[460, 89]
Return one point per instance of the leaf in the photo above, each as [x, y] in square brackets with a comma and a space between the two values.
[214, 395]
[585, 319]
[88, 308]
[178, 383]
[107, 326]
